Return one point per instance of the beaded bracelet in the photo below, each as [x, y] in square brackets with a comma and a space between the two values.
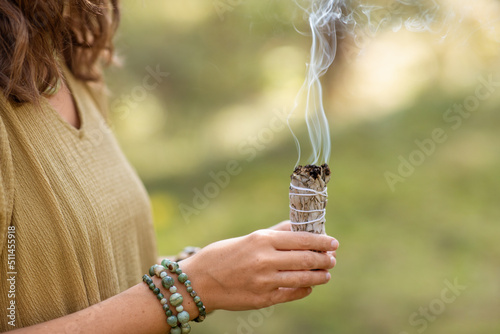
[175, 299]
[186, 253]
[183, 278]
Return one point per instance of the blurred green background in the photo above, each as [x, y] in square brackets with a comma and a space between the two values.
[234, 68]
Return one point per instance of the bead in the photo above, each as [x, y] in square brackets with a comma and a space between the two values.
[178, 271]
[173, 289]
[167, 282]
[193, 294]
[173, 266]
[176, 299]
[189, 289]
[200, 318]
[199, 304]
[179, 309]
[160, 296]
[165, 306]
[165, 262]
[152, 270]
[196, 299]
[152, 286]
[158, 269]
[185, 328]
[187, 283]
[190, 250]
[145, 278]
[183, 317]
[172, 321]
[182, 277]
[168, 313]
[163, 274]
[175, 330]
[156, 291]
[163, 301]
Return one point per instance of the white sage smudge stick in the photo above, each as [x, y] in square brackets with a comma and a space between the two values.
[308, 198]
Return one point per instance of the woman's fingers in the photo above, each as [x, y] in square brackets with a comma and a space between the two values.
[303, 241]
[283, 295]
[303, 260]
[301, 279]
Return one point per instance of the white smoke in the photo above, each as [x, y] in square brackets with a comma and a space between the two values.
[330, 20]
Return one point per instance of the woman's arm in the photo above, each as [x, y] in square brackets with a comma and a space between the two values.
[261, 269]
[136, 310]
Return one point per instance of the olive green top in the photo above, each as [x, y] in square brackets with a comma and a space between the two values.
[82, 219]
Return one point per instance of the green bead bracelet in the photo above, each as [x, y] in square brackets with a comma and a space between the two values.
[183, 278]
[178, 323]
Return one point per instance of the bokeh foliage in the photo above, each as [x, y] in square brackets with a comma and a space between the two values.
[232, 76]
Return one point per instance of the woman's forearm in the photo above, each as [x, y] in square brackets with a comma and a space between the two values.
[136, 310]
[258, 270]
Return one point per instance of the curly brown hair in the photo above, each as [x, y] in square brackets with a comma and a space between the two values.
[35, 34]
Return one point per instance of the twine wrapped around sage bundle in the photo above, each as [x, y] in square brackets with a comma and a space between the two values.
[308, 198]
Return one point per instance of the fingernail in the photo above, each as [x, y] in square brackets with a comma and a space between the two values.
[335, 243]
[309, 290]
[328, 276]
[334, 261]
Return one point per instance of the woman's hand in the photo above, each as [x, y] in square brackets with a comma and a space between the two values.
[261, 269]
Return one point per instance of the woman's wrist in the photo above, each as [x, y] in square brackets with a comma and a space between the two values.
[187, 303]
[189, 267]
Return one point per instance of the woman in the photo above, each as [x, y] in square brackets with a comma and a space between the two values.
[76, 231]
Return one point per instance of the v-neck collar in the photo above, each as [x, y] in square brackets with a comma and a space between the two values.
[70, 83]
